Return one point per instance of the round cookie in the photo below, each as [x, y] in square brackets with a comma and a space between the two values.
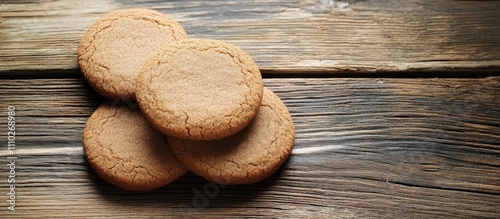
[113, 50]
[247, 157]
[199, 89]
[125, 150]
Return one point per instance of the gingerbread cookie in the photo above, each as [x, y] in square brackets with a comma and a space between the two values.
[199, 89]
[125, 150]
[247, 157]
[113, 50]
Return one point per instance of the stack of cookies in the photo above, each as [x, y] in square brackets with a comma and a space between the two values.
[202, 106]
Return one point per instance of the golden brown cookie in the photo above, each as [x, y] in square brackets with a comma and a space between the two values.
[125, 150]
[247, 157]
[199, 89]
[114, 48]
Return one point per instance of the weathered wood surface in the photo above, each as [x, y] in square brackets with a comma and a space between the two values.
[282, 36]
[365, 148]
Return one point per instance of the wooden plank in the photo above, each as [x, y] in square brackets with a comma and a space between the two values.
[282, 36]
[365, 148]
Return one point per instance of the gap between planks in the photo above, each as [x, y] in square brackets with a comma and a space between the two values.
[472, 73]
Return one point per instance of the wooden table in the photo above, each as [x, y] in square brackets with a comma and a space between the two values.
[396, 106]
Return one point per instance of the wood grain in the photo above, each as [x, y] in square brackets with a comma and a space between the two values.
[282, 36]
[365, 148]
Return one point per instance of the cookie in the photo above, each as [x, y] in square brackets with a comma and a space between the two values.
[125, 150]
[247, 157]
[113, 50]
[199, 89]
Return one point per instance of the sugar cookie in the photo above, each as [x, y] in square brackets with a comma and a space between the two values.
[114, 48]
[199, 89]
[247, 157]
[125, 150]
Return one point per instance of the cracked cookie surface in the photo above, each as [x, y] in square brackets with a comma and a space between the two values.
[113, 50]
[247, 157]
[125, 150]
[199, 89]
